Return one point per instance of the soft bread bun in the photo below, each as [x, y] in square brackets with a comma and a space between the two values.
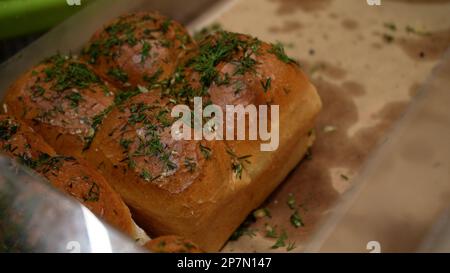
[63, 100]
[139, 49]
[170, 185]
[172, 244]
[248, 71]
[252, 72]
[208, 202]
[67, 174]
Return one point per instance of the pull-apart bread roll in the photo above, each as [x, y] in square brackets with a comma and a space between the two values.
[203, 190]
[62, 100]
[138, 49]
[167, 183]
[67, 174]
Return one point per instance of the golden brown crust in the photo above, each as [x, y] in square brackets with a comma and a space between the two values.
[65, 173]
[63, 100]
[257, 73]
[137, 136]
[139, 49]
[172, 244]
[153, 170]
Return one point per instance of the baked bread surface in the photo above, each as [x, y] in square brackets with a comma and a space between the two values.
[138, 49]
[63, 100]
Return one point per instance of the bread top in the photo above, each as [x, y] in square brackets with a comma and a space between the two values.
[63, 94]
[139, 49]
[237, 69]
[136, 138]
[67, 174]
[230, 69]
[248, 70]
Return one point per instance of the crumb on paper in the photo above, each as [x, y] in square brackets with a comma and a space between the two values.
[329, 129]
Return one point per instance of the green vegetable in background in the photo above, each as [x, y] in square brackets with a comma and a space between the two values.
[22, 17]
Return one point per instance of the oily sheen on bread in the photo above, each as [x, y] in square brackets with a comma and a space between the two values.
[138, 49]
[63, 100]
[67, 174]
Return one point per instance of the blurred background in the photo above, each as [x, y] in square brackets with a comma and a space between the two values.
[22, 21]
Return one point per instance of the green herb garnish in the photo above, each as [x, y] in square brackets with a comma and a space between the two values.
[212, 53]
[96, 121]
[37, 90]
[206, 31]
[261, 213]
[205, 151]
[291, 246]
[145, 51]
[93, 194]
[410, 29]
[131, 39]
[125, 143]
[118, 74]
[118, 27]
[245, 64]
[190, 164]
[244, 229]
[165, 25]
[163, 117]
[165, 43]
[266, 84]
[153, 78]
[75, 98]
[291, 201]
[8, 129]
[271, 231]
[237, 163]
[388, 38]
[296, 220]
[278, 50]
[390, 26]
[280, 241]
[146, 175]
[68, 74]
[43, 162]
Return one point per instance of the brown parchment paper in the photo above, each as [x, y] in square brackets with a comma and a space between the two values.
[404, 192]
[368, 63]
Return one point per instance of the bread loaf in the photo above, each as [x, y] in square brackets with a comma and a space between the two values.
[198, 189]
